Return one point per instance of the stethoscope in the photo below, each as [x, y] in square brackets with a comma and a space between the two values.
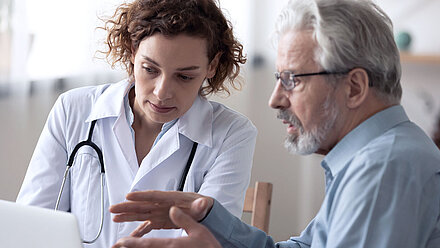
[98, 151]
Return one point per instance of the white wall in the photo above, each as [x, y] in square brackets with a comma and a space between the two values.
[22, 120]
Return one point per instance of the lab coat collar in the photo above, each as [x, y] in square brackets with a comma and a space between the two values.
[111, 102]
[196, 123]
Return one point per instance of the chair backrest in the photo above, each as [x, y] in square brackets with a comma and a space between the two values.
[257, 202]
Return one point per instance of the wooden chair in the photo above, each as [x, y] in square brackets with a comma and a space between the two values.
[257, 202]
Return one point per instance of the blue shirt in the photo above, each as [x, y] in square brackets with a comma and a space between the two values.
[382, 190]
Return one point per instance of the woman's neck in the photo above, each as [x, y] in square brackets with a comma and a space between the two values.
[145, 131]
[140, 120]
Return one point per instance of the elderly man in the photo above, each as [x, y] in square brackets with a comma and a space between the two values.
[338, 91]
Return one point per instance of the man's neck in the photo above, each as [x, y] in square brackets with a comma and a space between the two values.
[352, 118]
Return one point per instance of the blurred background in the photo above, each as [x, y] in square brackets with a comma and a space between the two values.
[49, 46]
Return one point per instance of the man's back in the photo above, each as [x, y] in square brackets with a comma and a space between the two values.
[382, 190]
[383, 186]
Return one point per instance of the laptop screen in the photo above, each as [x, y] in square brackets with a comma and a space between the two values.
[28, 226]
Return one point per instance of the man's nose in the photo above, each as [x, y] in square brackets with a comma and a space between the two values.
[279, 98]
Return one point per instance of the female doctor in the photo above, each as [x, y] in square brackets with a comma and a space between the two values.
[176, 52]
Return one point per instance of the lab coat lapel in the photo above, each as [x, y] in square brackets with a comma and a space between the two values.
[123, 136]
[111, 102]
[196, 124]
[111, 105]
[165, 147]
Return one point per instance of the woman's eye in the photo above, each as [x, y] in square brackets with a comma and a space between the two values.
[185, 78]
[150, 70]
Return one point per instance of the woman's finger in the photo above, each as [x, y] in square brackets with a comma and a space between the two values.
[142, 229]
[138, 206]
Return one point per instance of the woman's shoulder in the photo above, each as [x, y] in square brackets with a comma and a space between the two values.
[224, 115]
[85, 93]
[81, 101]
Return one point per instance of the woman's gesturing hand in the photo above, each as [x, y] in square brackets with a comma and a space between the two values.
[153, 207]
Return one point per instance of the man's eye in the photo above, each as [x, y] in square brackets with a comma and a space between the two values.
[297, 80]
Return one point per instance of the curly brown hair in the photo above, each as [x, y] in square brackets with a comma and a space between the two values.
[132, 22]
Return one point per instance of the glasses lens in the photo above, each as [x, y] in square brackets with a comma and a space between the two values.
[277, 76]
[285, 79]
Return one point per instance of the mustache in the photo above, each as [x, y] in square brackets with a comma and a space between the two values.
[284, 114]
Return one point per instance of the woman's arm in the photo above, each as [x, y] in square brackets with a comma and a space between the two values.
[48, 163]
[228, 177]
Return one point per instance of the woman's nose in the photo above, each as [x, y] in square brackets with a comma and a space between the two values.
[279, 98]
[163, 88]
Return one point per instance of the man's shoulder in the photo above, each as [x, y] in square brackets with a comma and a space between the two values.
[406, 141]
[403, 149]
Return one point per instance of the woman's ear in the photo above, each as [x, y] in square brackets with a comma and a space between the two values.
[132, 57]
[133, 54]
[212, 67]
[357, 87]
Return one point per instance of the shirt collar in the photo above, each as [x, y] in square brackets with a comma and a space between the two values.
[111, 102]
[196, 123]
[373, 127]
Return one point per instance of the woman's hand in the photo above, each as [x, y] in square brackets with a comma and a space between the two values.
[198, 235]
[153, 207]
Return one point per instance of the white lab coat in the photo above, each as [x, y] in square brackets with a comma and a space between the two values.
[221, 166]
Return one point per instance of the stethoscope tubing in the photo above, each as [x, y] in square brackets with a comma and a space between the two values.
[102, 203]
[89, 142]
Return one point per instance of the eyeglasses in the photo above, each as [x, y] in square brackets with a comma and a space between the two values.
[288, 78]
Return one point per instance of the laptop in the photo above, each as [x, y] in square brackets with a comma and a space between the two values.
[24, 226]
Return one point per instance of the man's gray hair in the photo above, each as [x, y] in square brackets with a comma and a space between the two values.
[349, 34]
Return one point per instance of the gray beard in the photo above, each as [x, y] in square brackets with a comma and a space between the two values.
[308, 142]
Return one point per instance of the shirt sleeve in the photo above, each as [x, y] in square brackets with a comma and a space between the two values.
[303, 241]
[48, 163]
[230, 231]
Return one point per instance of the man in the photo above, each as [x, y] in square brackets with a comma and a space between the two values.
[338, 91]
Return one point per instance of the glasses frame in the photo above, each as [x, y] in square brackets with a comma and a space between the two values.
[291, 84]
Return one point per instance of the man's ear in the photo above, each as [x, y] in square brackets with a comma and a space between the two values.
[357, 88]
[212, 67]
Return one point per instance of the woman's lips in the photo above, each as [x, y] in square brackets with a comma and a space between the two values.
[160, 109]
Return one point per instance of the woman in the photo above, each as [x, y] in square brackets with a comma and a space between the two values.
[176, 52]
